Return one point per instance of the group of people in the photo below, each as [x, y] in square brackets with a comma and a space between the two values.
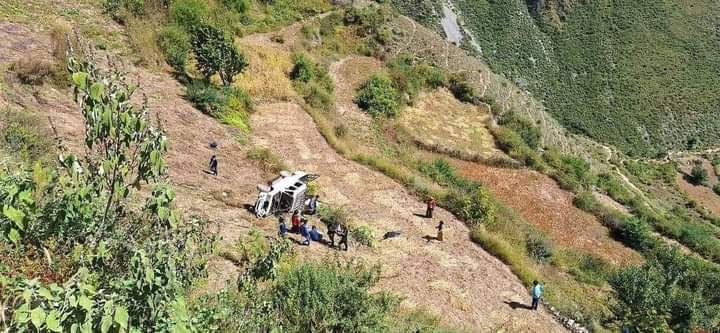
[299, 225]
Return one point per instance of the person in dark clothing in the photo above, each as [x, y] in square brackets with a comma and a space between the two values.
[295, 220]
[331, 234]
[305, 233]
[213, 165]
[312, 205]
[440, 231]
[343, 233]
[282, 228]
[430, 207]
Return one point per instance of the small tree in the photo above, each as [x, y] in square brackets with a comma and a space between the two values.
[216, 54]
[379, 97]
[698, 174]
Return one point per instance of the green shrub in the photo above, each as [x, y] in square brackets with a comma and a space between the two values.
[643, 297]
[462, 90]
[304, 69]
[538, 247]
[410, 77]
[513, 144]
[527, 130]
[216, 54]
[379, 97]
[189, 14]
[716, 188]
[636, 233]
[698, 174]
[205, 96]
[269, 162]
[332, 216]
[649, 172]
[240, 6]
[313, 82]
[362, 234]
[572, 172]
[330, 298]
[591, 269]
[230, 104]
[175, 44]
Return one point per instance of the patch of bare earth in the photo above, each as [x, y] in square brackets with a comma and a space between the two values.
[455, 279]
[541, 202]
[441, 123]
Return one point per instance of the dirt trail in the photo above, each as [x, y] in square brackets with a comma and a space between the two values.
[544, 204]
[455, 279]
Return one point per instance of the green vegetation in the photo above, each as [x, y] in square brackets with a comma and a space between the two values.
[90, 271]
[216, 54]
[648, 172]
[313, 82]
[22, 136]
[529, 132]
[379, 97]
[266, 160]
[600, 66]
[513, 144]
[175, 43]
[698, 174]
[229, 104]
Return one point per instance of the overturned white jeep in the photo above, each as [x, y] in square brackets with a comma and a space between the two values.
[285, 193]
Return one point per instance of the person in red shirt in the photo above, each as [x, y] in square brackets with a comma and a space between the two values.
[295, 222]
[430, 207]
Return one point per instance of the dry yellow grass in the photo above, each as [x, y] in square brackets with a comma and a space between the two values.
[440, 122]
[266, 77]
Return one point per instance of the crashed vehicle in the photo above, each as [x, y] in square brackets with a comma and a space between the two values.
[285, 193]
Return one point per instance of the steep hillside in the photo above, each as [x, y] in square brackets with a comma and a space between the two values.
[639, 76]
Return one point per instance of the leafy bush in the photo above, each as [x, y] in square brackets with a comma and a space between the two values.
[122, 278]
[538, 246]
[175, 44]
[648, 172]
[266, 160]
[240, 6]
[410, 77]
[698, 174]
[591, 269]
[527, 130]
[636, 233]
[615, 189]
[20, 135]
[572, 172]
[379, 97]
[363, 235]
[229, 104]
[189, 14]
[313, 82]
[332, 216]
[330, 298]
[462, 90]
[513, 144]
[216, 54]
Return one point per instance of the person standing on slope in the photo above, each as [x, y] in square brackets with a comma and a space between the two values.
[213, 165]
[430, 207]
[440, 231]
[537, 291]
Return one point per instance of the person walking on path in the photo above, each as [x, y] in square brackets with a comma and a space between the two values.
[213, 165]
[440, 231]
[282, 228]
[537, 291]
[343, 233]
[430, 208]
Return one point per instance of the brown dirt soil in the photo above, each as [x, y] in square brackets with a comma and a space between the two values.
[456, 279]
[441, 122]
[541, 202]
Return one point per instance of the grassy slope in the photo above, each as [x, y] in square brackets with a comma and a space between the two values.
[641, 76]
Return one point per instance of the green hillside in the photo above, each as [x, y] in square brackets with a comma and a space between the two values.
[642, 76]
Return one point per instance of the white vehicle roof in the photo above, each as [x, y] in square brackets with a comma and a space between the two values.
[283, 182]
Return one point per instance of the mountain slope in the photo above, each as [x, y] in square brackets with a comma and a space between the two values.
[640, 76]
